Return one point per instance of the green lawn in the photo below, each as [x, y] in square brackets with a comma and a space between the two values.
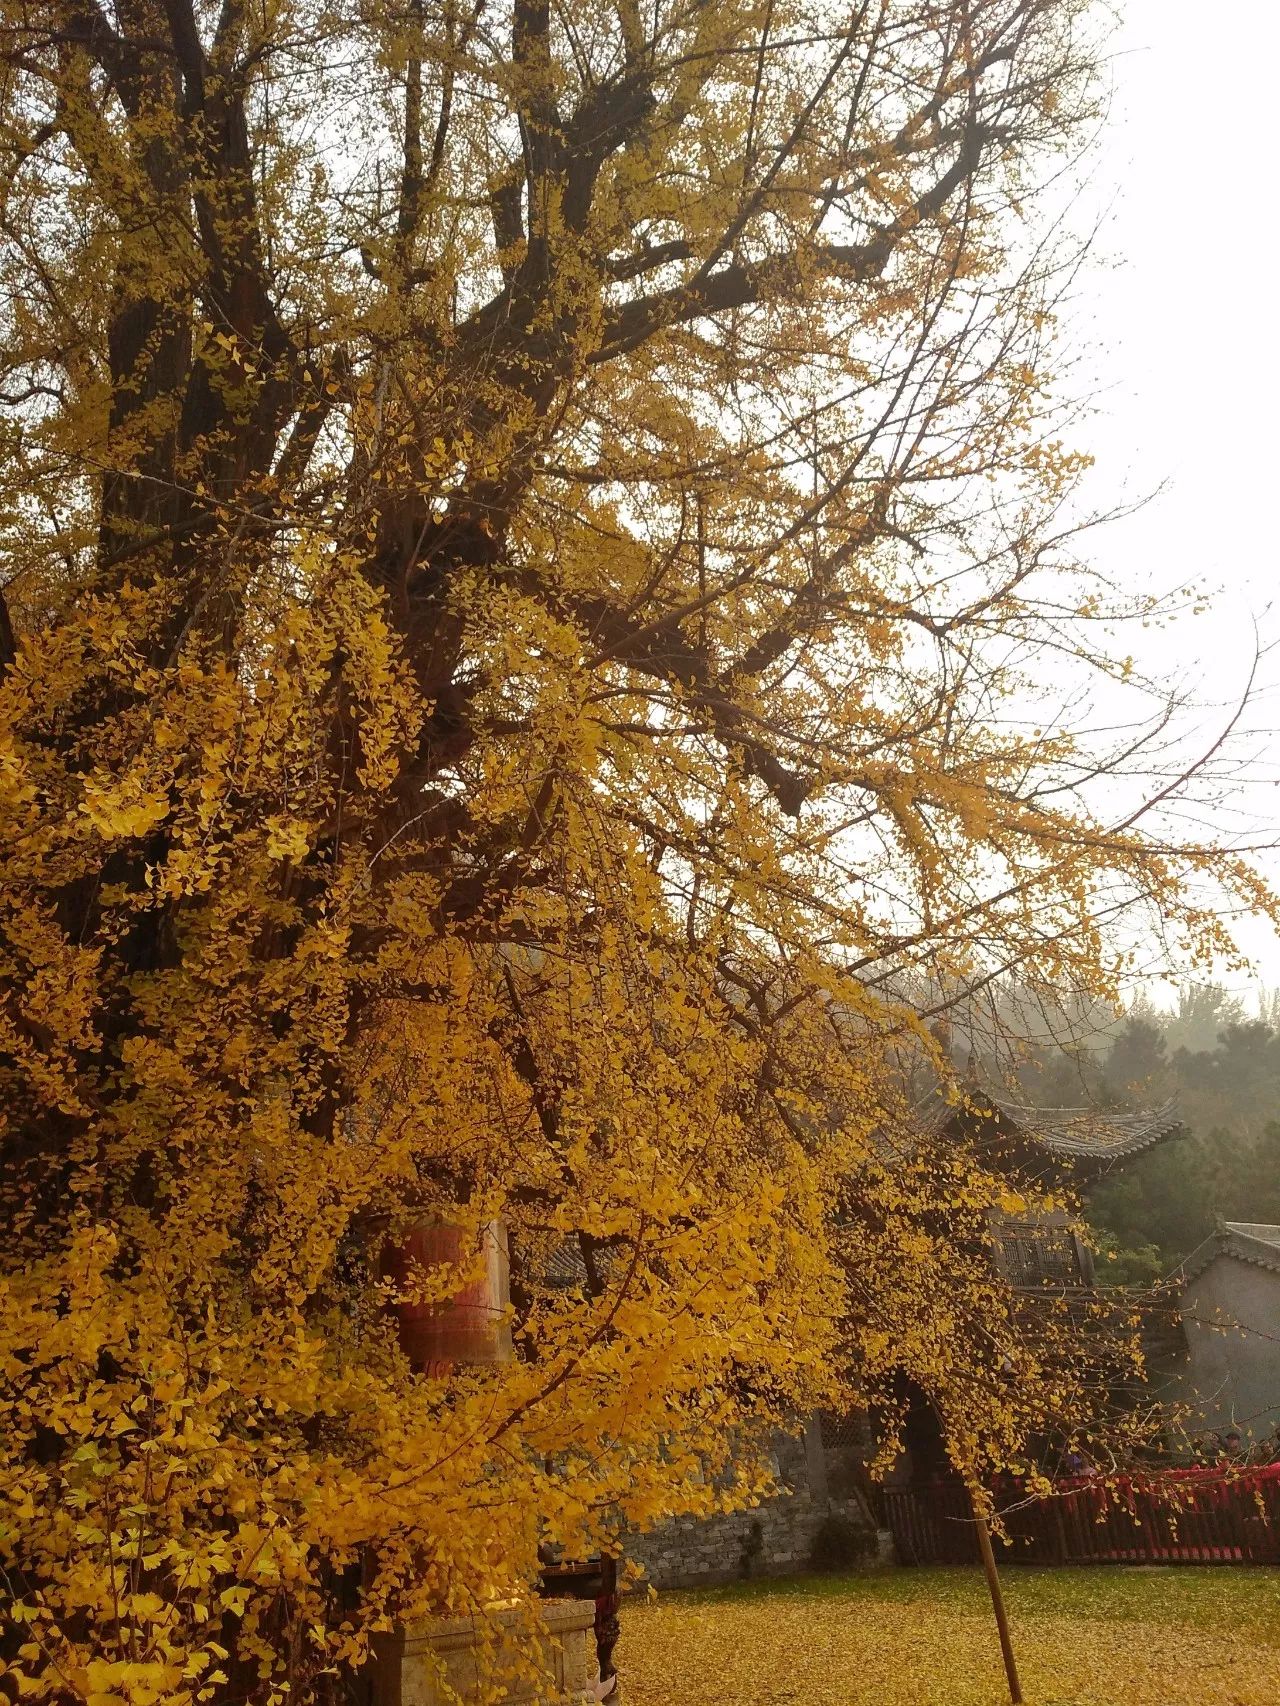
[1084, 1637]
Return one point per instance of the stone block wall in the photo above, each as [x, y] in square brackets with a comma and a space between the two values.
[777, 1537]
[774, 1539]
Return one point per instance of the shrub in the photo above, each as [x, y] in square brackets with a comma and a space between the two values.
[841, 1544]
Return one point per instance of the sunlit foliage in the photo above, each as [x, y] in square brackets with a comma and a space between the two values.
[531, 534]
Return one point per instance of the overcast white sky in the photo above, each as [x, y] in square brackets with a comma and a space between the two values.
[1185, 315]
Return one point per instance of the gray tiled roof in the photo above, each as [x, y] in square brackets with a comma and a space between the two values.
[565, 1266]
[1090, 1134]
[1075, 1134]
[1246, 1240]
[1255, 1229]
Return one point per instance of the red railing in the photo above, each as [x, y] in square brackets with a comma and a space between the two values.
[1188, 1516]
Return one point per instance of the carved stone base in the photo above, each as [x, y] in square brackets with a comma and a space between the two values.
[452, 1658]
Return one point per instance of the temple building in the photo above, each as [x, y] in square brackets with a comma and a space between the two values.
[1226, 1371]
[1050, 1147]
[823, 1464]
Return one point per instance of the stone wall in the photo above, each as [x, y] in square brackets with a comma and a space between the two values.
[775, 1539]
[813, 1464]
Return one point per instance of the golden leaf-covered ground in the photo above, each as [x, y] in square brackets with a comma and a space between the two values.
[1101, 1637]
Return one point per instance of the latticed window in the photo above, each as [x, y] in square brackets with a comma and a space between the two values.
[1039, 1255]
[848, 1432]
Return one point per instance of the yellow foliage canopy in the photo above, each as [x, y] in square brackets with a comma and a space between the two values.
[517, 525]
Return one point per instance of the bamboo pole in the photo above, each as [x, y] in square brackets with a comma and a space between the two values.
[997, 1597]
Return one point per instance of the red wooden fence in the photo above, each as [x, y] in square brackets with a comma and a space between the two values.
[1192, 1516]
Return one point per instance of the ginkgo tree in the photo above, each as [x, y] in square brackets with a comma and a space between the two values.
[530, 534]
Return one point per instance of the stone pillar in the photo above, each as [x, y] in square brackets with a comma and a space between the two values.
[471, 1326]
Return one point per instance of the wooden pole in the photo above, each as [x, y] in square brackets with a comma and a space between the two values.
[997, 1598]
